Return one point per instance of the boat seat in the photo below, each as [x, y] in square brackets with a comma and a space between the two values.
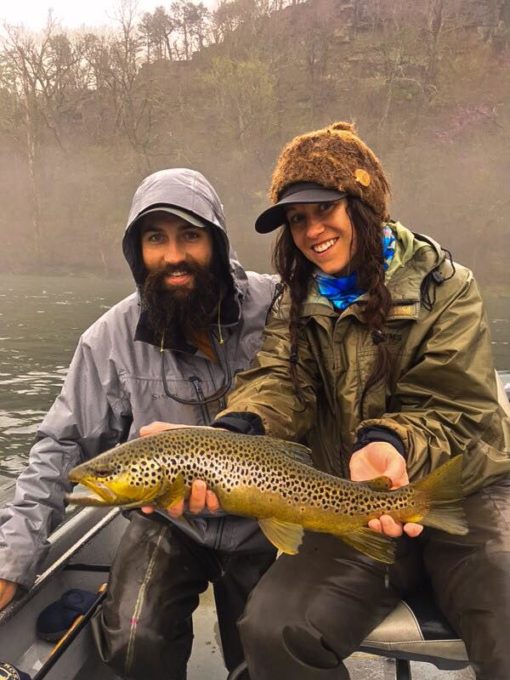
[414, 631]
[417, 631]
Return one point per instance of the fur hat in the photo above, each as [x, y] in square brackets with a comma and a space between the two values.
[335, 158]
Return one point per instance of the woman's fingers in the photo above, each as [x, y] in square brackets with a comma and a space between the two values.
[388, 526]
[412, 529]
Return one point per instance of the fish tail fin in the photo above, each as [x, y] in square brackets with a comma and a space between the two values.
[442, 489]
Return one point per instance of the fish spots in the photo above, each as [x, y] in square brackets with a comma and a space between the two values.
[238, 465]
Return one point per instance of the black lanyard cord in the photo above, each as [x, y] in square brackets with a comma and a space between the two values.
[216, 396]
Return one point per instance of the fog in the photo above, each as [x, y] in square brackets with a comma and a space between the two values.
[85, 116]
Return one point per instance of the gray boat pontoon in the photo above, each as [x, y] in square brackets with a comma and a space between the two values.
[80, 555]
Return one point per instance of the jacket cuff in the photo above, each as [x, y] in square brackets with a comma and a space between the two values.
[378, 434]
[243, 423]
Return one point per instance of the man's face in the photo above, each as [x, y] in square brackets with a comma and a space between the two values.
[172, 245]
[183, 287]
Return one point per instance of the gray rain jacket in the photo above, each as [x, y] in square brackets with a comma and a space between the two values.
[115, 385]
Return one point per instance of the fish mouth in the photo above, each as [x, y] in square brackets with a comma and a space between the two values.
[87, 498]
[92, 493]
[96, 493]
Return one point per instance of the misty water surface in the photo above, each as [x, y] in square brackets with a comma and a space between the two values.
[41, 319]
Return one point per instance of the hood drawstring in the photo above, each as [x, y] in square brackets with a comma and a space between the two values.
[216, 396]
[435, 277]
[218, 322]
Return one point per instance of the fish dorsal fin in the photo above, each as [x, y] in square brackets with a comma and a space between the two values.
[381, 483]
[283, 535]
[173, 493]
[377, 546]
[298, 452]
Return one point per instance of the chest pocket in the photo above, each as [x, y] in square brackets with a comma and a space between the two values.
[379, 398]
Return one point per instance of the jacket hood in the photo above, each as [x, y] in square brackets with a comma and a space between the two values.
[190, 191]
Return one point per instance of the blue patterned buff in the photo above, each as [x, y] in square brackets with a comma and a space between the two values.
[342, 291]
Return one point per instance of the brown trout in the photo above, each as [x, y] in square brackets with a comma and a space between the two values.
[272, 481]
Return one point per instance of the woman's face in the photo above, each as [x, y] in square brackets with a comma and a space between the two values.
[323, 232]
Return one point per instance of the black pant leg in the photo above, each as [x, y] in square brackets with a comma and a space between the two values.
[241, 571]
[311, 610]
[470, 576]
[144, 629]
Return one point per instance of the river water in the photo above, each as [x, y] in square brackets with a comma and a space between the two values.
[41, 319]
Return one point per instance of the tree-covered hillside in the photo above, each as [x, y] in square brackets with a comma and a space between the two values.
[83, 117]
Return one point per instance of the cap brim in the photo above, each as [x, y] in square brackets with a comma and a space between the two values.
[274, 217]
[188, 217]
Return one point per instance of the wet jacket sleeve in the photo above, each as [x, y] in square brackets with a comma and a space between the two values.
[448, 398]
[266, 390]
[87, 417]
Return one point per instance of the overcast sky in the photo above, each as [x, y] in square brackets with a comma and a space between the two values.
[70, 13]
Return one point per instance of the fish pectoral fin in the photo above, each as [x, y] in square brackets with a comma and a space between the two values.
[173, 493]
[134, 504]
[381, 483]
[377, 546]
[285, 536]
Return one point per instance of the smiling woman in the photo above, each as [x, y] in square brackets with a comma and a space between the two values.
[378, 355]
[323, 233]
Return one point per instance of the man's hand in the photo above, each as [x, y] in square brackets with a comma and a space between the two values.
[201, 497]
[158, 426]
[375, 460]
[7, 592]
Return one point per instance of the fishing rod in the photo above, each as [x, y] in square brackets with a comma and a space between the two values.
[70, 635]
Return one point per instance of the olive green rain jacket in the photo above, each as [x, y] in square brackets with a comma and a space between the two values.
[441, 399]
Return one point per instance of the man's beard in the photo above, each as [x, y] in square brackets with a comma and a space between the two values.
[175, 313]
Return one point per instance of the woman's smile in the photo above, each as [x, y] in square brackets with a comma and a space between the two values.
[323, 233]
[324, 246]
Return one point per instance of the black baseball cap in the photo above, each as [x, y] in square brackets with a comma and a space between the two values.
[299, 192]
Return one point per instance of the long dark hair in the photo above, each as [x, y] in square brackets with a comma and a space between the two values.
[296, 274]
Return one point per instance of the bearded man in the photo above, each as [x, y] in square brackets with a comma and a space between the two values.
[167, 352]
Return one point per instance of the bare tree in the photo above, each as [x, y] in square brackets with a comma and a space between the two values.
[156, 30]
[32, 69]
[191, 20]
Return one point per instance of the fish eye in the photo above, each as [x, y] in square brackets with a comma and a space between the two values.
[102, 472]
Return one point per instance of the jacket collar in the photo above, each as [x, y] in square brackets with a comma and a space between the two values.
[416, 257]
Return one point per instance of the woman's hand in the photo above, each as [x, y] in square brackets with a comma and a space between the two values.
[201, 498]
[382, 459]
